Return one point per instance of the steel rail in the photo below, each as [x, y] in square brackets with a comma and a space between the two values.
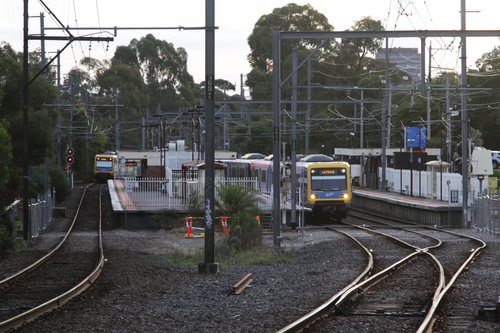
[58, 301]
[429, 319]
[428, 322]
[338, 299]
[438, 241]
[425, 250]
[315, 314]
[20, 274]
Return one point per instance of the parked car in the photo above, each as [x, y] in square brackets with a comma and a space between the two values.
[495, 158]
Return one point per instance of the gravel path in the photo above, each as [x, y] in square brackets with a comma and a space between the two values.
[139, 292]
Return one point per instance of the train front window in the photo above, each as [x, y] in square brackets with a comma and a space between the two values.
[328, 179]
[103, 165]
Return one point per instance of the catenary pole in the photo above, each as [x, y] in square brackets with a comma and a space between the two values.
[293, 176]
[464, 119]
[26, 217]
[209, 265]
[276, 139]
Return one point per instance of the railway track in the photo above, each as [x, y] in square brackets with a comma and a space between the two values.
[63, 273]
[406, 285]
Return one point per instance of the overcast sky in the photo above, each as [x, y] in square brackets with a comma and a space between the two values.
[236, 19]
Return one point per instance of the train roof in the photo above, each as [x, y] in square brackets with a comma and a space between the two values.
[316, 158]
[253, 156]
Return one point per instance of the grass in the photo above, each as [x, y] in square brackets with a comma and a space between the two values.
[226, 257]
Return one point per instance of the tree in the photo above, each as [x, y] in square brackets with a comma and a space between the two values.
[291, 17]
[165, 71]
[353, 53]
[41, 119]
[483, 105]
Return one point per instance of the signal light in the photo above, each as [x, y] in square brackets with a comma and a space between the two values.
[69, 155]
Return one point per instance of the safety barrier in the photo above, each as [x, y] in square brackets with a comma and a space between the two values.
[190, 229]
[223, 222]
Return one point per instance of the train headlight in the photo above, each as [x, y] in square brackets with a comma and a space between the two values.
[345, 196]
[313, 196]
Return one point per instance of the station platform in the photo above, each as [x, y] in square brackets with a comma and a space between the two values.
[135, 207]
[424, 211]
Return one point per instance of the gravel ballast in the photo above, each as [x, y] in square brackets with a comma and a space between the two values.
[139, 292]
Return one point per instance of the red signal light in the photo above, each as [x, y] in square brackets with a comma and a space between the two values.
[69, 155]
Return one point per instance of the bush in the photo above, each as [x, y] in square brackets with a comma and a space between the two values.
[240, 206]
[57, 179]
[5, 238]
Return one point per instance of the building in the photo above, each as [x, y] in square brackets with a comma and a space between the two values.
[405, 59]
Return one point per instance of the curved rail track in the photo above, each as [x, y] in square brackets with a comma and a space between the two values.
[402, 293]
[63, 273]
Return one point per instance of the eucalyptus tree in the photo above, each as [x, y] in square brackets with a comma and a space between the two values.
[333, 65]
[165, 72]
[41, 120]
[291, 17]
[484, 105]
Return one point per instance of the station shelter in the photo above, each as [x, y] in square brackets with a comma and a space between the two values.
[365, 162]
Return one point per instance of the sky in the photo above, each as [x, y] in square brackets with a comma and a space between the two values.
[235, 20]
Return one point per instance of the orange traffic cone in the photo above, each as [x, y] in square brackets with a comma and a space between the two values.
[189, 227]
[224, 225]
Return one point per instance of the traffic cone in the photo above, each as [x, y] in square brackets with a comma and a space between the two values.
[224, 225]
[189, 227]
[257, 218]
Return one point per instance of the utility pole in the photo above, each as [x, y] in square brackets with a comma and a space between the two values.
[209, 265]
[276, 138]
[308, 109]
[293, 187]
[42, 41]
[361, 125]
[448, 121]
[385, 107]
[464, 120]
[59, 123]
[117, 121]
[26, 217]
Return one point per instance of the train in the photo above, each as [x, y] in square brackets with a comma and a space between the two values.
[324, 185]
[105, 166]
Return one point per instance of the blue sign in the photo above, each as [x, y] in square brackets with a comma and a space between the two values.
[416, 137]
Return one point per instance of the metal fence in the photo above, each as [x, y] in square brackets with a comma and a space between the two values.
[40, 212]
[485, 213]
[40, 209]
[179, 193]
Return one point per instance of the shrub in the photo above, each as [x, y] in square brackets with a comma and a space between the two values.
[5, 238]
[57, 179]
[241, 207]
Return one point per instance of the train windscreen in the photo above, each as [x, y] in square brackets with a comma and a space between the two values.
[328, 179]
[104, 165]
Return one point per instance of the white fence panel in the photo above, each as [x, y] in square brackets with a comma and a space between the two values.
[428, 184]
[177, 193]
